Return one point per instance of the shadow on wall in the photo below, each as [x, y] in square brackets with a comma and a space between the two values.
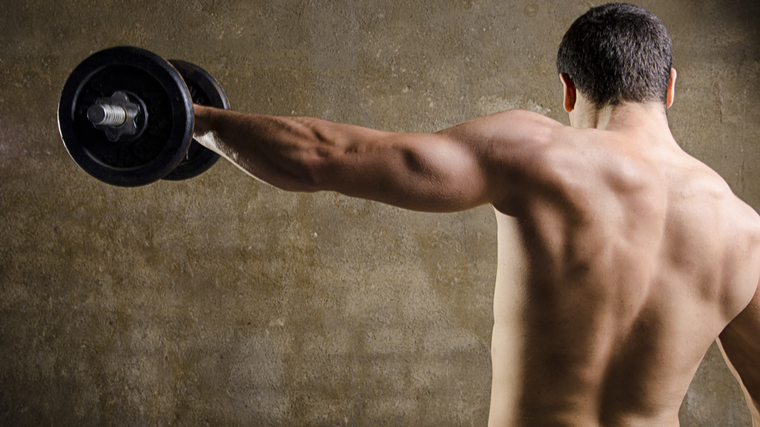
[746, 16]
[725, 19]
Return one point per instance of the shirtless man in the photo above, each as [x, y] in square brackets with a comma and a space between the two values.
[631, 257]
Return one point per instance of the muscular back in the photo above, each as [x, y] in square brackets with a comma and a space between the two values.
[621, 258]
[633, 258]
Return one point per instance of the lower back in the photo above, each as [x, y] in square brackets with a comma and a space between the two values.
[612, 341]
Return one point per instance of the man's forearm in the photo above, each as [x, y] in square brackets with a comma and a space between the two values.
[281, 151]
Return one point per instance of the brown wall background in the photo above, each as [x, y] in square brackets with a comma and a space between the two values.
[221, 301]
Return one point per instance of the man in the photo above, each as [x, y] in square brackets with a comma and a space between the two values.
[635, 257]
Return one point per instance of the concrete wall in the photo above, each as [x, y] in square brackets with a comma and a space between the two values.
[221, 301]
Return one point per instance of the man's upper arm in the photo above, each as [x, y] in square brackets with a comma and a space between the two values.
[452, 170]
[740, 342]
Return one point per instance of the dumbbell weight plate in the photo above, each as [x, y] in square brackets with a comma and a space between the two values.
[165, 131]
[204, 90]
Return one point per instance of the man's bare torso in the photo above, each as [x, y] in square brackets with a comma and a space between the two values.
[621, 258]
[617, 271]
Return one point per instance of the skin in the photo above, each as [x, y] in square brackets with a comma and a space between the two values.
[621, 257]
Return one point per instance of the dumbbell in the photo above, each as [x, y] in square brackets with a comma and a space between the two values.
[126, 117]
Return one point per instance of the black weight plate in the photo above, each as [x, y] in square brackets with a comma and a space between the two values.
[166, 136]
[204, 90]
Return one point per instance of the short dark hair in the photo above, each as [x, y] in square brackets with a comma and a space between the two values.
[617, 52]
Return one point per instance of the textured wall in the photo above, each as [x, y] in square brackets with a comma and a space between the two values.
[222, 301]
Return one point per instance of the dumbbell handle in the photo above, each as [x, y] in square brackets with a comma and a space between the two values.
[116, 116]
[110, 114]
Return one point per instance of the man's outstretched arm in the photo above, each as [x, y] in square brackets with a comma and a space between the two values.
[740, 344]
[455, 169]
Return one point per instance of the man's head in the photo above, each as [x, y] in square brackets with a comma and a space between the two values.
[617, 52]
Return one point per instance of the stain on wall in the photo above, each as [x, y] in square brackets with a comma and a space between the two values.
[223, 301]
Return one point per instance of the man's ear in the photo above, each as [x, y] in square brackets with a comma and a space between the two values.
[567, 83]
[671, 88]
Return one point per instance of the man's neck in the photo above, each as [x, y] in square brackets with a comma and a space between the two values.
[627, 117]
